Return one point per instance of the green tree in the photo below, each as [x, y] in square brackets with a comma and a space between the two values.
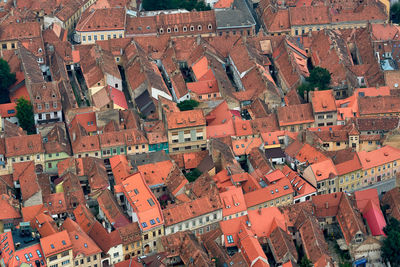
[395, 12]
[25, 115]
[319, 77]
[304, 87]
[193, 175]
[391, 244]
[6, 79]
[187, 105]
[305, 262]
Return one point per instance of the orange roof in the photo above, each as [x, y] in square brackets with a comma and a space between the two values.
[24, 145]
[93, 20]
[365, 196]
[55, 243]
[251, 248]
[156, 173]
[203, 87]
[143, 202]
[193, 159]
[323, 101]
[231, 228]
[274, 176]
[378, 157]
[324, 170]
[81, 242]
[271, 138]
[120, 168]
[187, 210]
[349, 165]
[310, 154]
[300, 185]
[221, 130]
[184, 119]
[273, 191]
[265, 220]
[200, 68]
[242, 127]
[295, 114]
[219, 115]
[7, 210]
[243, 146]
[87, 121]
[233, 201]
[28, 213]
[223, 4]
[8, 110]
[20, 92]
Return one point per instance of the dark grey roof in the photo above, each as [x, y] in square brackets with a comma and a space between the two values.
[143, 159]
[145, 104]
[240, 16]
[274, 153]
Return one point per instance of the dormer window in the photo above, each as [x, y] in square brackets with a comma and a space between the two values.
[191, 28]
[209, 26]
[176, 29]
[199, 27]
[184, 28]
[40, 50]
[161, 30]
[169, 30]
[38, 97]
[39, 106]
[54, 104]
[47, 105]
[53, 95]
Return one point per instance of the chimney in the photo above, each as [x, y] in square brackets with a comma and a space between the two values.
[326, 205]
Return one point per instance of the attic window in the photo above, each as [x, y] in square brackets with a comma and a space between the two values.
[152, 222]
[161, 30]
[184, 28]
[148, 27]
[63, 242]
[209, 26]
[168, 30]
[85, 245]
[199, 27]
[52, 246]
[191, 28]
[286, 187]
[76, 237]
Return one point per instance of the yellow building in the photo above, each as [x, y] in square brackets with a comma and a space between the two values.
[25, 148]
[57, 249]
[295, 118]
[131, 240]
[186, 131]
[101, 24]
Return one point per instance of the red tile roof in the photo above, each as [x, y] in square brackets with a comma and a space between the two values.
[56, 243]
[143, 202]
[24, 145]
[93, 20]
[378, 157]
[295, 114]
[183, 119]
[271, 192]
[232, 201]
[81, 242]
[323, 101]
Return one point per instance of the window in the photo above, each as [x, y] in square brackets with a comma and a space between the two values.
[102, 37]
[39, 106]
[89, 38]
[53, 258]
[114, 36]
[184, 28]
[229, 238]
[47, 105]
[191, 28]
[65, 253]
[199, 27]
[209, 26]
[65, 262]
[4, 46]
[168, 30]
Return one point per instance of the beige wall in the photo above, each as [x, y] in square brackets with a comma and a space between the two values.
[177, 145]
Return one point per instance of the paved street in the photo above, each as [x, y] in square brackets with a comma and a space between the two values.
[382, 186]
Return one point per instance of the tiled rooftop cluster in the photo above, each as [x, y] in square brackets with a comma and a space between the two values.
[117, 173]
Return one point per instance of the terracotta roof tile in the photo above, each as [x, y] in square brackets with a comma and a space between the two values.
[295, 114]
[56, 243]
